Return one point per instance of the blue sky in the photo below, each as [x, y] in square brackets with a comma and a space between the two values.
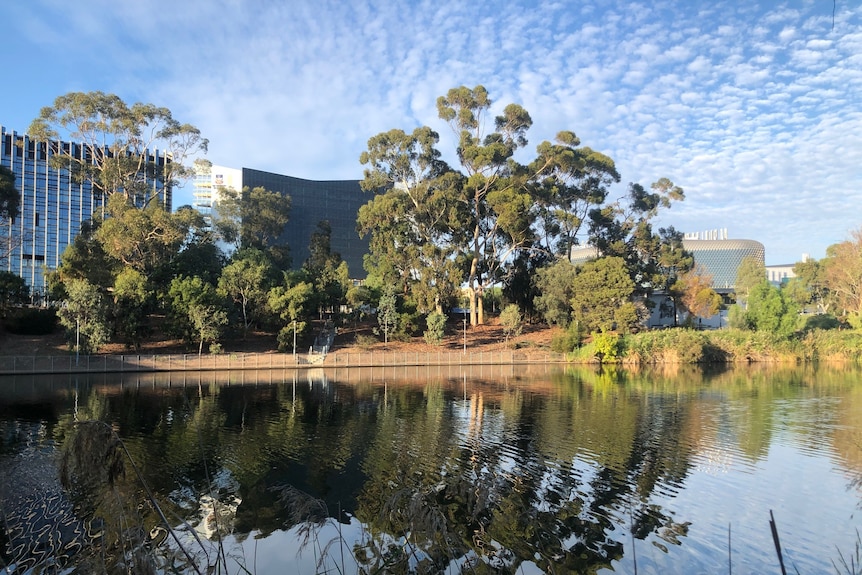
[753, 107]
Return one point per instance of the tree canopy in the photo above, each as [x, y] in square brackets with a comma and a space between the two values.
[843, 277]
[602, 295]
[118, 143]
[10, 203]
[497, 220]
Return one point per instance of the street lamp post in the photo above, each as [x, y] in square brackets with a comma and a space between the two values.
[294, 341]
[465, 333]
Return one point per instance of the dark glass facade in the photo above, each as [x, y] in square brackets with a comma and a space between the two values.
[337, 201]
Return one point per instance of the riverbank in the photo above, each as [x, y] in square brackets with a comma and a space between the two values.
[353, 347]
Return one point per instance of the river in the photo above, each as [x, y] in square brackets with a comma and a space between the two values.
[541, 469]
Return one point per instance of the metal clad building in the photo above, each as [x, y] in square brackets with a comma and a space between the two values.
[721, 258]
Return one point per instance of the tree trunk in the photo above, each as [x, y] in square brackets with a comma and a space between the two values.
[472, 306]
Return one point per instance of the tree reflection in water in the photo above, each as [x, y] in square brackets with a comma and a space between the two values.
[567, 472]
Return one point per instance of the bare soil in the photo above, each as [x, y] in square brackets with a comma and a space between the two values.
[485, 338]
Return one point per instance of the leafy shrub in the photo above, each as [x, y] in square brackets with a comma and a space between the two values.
[365, 341]
[566, 341]
[409, 325]
[606, 346]
[436, 328]
[510, 319]
[31, 321]
[821, 321]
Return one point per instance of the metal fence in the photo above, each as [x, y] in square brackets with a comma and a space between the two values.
[130, 363]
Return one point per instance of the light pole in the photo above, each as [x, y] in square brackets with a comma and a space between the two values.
[294, 341]
[465, 332]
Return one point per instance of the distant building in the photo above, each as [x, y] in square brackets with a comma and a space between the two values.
[312, 201]
[208, 183]
[53, 206]
[780, 274]
[719, 256]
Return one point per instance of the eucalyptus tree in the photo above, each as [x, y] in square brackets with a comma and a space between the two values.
[325, 268]
[132, 299]
[246, 280]
[602, 293]
[495, 187]
[143, 239]
[13, 292]
[119, 142]
[291, 300]
[84, 258]
[254, 217]
[415, 218]
[749, 274]
[571, 181]
[191, 299]
[811, 274]
[10, 203]
[555, 284]
[84, 314]
[842, 276]
[694, 289]
[624, 229]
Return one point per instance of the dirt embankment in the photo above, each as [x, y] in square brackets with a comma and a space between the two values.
[350, 339]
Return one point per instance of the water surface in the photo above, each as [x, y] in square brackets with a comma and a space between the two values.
[428, 470]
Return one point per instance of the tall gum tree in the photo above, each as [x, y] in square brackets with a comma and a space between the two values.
[415, 218]
[10, 203]
[495, 185]
[119, 143]
[624, 229]
[843, 277]
[571, 181]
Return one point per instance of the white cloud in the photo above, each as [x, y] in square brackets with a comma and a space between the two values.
[752, 108]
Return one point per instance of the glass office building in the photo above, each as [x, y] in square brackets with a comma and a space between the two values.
[53, 206]
[312, 201]
[337, 201]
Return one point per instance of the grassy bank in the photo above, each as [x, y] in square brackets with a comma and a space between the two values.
[721, 346]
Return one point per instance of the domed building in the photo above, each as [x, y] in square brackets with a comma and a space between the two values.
[718, 255]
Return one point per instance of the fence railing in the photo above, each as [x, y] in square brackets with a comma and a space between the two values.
[257, 361]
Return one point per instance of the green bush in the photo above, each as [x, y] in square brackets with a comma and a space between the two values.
[436, 328]
[606, 346]
[31, 321]
[365, 341]
[566, 341]
[820, 321]
[409, 325]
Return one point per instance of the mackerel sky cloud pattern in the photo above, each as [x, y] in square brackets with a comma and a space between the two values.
[754, 108]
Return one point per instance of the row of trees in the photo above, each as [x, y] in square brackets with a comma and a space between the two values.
[140, 264]
[830, 289]
[136, 263]
[496, 221]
